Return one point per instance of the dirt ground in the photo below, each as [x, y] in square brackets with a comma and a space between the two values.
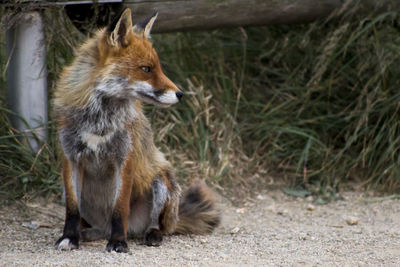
[270, 230]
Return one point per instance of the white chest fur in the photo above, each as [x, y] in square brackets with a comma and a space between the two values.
[93, 141]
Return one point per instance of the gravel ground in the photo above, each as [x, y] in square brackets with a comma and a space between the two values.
[271, 230]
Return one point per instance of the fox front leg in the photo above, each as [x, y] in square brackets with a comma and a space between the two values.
[164, 211]
[70, 238]
[120, 214]
[117, 241]
[153, 235]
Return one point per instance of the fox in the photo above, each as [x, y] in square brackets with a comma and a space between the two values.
[117, 183]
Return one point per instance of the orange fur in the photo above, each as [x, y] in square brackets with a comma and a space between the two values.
[67, 177]
[101, 55]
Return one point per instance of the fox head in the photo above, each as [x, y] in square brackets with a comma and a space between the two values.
[129, 65]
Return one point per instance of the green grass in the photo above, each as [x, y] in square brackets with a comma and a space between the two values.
[315, 106]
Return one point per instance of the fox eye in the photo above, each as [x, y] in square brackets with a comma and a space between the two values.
[146, 69]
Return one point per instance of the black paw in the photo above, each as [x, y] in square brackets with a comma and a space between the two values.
[67, 243]
[153, 237]
[117, 246]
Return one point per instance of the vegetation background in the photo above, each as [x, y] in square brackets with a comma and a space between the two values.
[311, 107]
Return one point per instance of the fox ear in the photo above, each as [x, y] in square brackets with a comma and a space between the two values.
[118, 30]
[144, 27]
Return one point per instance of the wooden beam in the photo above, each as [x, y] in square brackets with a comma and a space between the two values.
[183, 15]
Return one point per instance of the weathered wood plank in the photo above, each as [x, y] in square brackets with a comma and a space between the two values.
[178, 15]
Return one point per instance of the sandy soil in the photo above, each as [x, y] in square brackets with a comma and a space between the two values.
[271, 230]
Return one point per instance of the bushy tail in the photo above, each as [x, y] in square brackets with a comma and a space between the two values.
[198, 213]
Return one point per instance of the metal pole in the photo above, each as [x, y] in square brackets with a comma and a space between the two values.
[27, 77]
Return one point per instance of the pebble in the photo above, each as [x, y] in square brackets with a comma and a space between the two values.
[352, 221]
[30, 225]
[302, 236]
[241, 210]
[310, 207]
[260, 197]
[271, 208]
[42, 224]
[235, 230]
[282, 212]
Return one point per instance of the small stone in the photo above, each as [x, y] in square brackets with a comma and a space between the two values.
[203, 241]
[42, 224]
[352, 221]
[235, 230]
[30, 225]
[302, 236]
[310, 207]
[260, 197]
[282, 212]
[32, 205]
[271, 208]
[223, 256]
[241, 210]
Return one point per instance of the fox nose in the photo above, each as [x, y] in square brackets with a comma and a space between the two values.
[179, 94]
